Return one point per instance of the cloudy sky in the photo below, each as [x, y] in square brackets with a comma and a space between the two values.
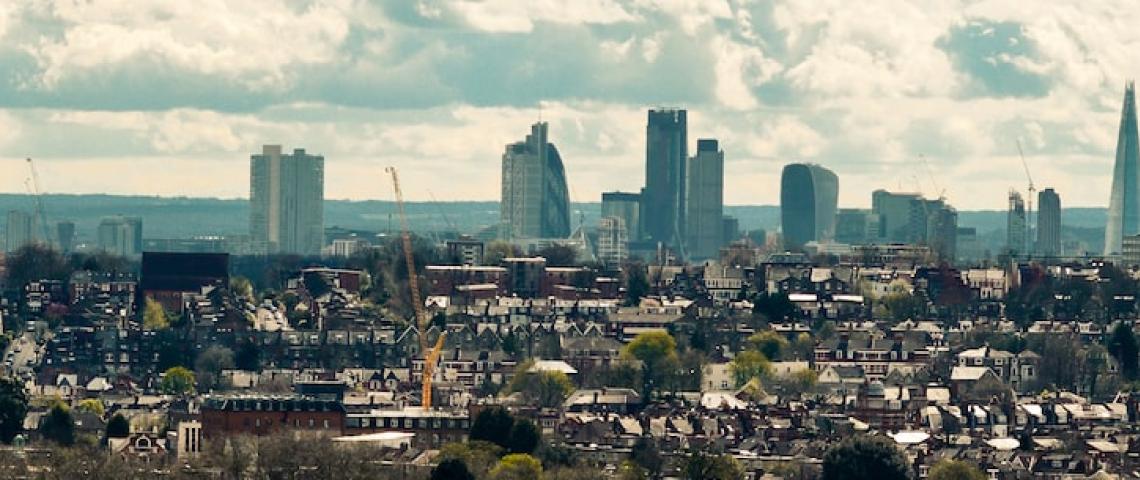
[170, 98]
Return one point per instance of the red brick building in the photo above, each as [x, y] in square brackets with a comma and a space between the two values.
[262, 415]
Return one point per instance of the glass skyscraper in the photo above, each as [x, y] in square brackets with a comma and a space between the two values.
[1048, 223]
[704, 207]
[535, 200]
[808, 200]
[663, 199]
[1124, 204]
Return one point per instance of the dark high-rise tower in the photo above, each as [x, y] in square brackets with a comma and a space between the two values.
[1048, 223]
[1124, 202]
[704, 205]
[808, 199]
[535, 200]
[663, 199]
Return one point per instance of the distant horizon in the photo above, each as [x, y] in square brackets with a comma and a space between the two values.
[573, 202]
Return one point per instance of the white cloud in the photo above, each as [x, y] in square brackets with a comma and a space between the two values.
[518, 17]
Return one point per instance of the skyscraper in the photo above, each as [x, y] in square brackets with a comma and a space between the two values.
[1048, 223]
[612, 242]
[1124, 202]
[626, 206]
[121, 235]
[704, 205]
[535, 200]
[663, 199]
[808, 198]
[287, 194]
[897, 213]
[65, 235]
[21, 230]
[855, 226]
[1015, 236]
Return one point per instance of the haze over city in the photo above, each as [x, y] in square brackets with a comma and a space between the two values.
[165, 99]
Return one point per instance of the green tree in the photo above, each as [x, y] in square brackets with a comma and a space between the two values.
[451, 469]
[653, 349]
[58, 425]
[547, 389]
[92, 405]
[901, 304]
[559, 255]
[118, 427]
[631, 471]
[493, 425]
[646, 455]
[13, 408]
[154, 316]
[749, 364]
[209, 365]
[498, 250]
[517, 466]
[865, 458]
[702, 466]
[955, 470]
[477, 456]
[242, 287]
[177, 381]
[773, 308]
[771, 344]
[524, 438]
[636, 283]
[33, 262]
[1123, 347]
[801, 381]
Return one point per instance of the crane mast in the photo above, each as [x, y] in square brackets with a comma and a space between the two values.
[430, 356]
[38, 195]
[1029, 201]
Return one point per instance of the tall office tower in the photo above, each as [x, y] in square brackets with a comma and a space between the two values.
[21, 230]
[663, 199]
[808, 198]
[942, 230]
[967, 245]
[855, 226]
[730, 226]
[535, 199]
[65, 235]
[1048, 223]
[704, 205]
[626, 206]
[612, 242]
[896, 212]
[121, 235]
[1124, 204]
[1015, 225]
[287, 196]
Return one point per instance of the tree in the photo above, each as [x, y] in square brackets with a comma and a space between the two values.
[493, 425]
[955, 470]
[646, 455]
[865, 458]
[13, 408]
[59, 426]
[557, 255]
[773, 308]
[477, 456]
[901, 304]
[524, 438]
[653, 349]
[636, 283]
[702, 466]
[631, 471]
[209, 365]
[517, 466]
[118, 427]
[92, 405]
[498, 250]
[1123, 347]
[33, 262]
[801, 381]
[177, 381]
[242, 287]
[771, 344]
[547, 389]
[451, 469]
[154, 316]
[748, 365]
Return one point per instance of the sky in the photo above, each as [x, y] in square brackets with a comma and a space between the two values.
[171, 98]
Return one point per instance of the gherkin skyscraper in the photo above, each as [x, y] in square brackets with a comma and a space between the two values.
[1124, 204]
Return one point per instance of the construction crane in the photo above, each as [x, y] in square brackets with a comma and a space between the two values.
[422, 320]
[1029, 201]
[38, 195]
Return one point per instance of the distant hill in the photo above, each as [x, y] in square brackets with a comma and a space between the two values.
[182, 217]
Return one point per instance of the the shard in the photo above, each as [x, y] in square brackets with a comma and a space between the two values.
[1124, 204]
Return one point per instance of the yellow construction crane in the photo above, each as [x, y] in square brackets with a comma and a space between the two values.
[422, 320]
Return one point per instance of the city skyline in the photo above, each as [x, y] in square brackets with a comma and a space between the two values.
[771, 82]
